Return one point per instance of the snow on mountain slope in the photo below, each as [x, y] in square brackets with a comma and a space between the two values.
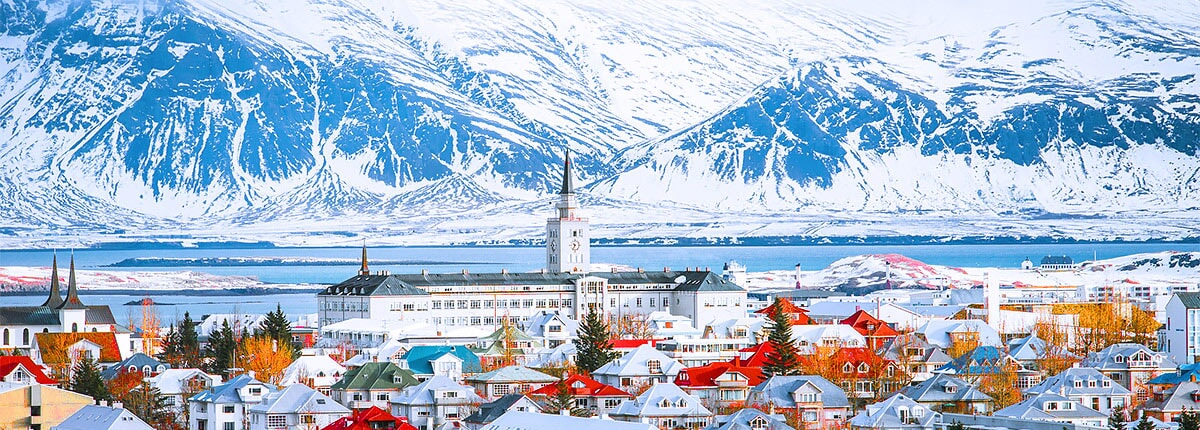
[989, 127]
[791, 117]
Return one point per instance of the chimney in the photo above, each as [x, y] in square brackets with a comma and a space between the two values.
[424, 272]
[666, 269]
[503, 271]
[464, 271]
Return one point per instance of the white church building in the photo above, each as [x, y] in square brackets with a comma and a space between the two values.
[566, 285]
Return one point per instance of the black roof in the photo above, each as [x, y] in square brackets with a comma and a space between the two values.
[41, 315]
[54, 300]
[489, 412]
[568, 186]
[413, 284]
[1057, 259]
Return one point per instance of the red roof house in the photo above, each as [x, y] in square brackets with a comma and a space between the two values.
[592, 394]
[22, 370]
[370, 419]
[798, 315]
[754, 356]
[860, 370]
[877, 331]
[727, 382]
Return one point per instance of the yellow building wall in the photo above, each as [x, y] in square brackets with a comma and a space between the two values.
[57, 405]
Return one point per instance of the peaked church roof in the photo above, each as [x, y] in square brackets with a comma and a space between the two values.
[55, 300]
[568, 186]
[72, 300]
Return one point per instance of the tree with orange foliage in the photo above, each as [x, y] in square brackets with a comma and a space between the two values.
[150, 328]
[1002, 385]
[266, 357]
[1104, 324]
[1058, 356]
[123, 383]
[632, 326]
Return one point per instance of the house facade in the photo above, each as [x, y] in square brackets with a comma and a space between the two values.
[297, 407]
[813, 398]
[224, 407]
[19, 325]
[435, 402]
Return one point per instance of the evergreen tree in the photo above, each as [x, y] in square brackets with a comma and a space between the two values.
[276, 326]
[594, 344]
[784, 359]
[1189, 420]
[1116, 420]
[564, 399]
[956, 426]
[222, 347]
[1144, 423]
[148, 403]
[189, 343]
[172, 351]
[86, 379]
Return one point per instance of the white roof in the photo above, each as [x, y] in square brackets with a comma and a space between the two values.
[937, 332]
[724, 329]
[214, 322]
[633, 363]
[514, 420]
[311, 366]
[562, 354]
[171, 381]
[817, 333]
[423, 394]
[95, 417]
[663, 400]
[299, 398]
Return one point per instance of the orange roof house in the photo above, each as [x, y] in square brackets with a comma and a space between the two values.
[877, 331]
[798, 315]
[55, 348]
[370, 419]
[858, 369]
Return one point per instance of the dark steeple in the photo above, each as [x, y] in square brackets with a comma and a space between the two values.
[363, 271]
[72, 301]
[568, 186]
[55, 299]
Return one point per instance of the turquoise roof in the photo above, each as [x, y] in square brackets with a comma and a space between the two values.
[420, 358]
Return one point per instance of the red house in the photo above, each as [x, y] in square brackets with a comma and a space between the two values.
[877, 331]
[589, 393]
[370, 419]
[860, 371]
[722, 383]
[22, 370]
[798, 315]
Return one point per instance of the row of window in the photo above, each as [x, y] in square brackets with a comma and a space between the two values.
[484, 321]
[502, 304]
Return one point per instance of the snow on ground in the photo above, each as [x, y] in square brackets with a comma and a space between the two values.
[25, 277]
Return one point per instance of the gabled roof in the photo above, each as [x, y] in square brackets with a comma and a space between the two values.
[173, 381]
[373, 418]
[778, 390]
[887, 414]
[707, 375]
[298, 398]
[53, 346]
[414, 284]
[423, 394]
[96, 417]
[1090, 383]
[533, 421]
[1032, 408]
[9, 364]
[228, 392]
[935, 389]
[582, 386]
[634, 362]
[420, 358]
[1116, 357]
[376, 376]
[663, 400]
[1185, 396]
[1185, 372]
[758, 355]
[895, 348]
[1190, 299]
[516, 373]
[741, 420]
[983, 360]
[938, 332]
[537, 323]
[868, 325]
[311, 366]
[138, 361]
[490, 411]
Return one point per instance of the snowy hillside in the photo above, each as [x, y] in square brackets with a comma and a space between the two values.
[440, 121]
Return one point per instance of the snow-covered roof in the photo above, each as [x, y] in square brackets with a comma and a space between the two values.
[514, 420]
[423, 394]
[96, 417]
[512, 374]
[663, 400]
[228, 392]
[945, 388]
[298, 398]
[938, 332]
[778, 390]
[562, 354]
[634, 362]
[214, 322]
[1080, 381]
[818, 334]
[537, 323]
[320, 368]
[742, 420]
[173, 381]
[897, 411]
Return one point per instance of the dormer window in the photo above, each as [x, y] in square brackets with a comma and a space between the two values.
[758, 423]
[681, 403]
[1091, 384]
[863, 368]
[664, 403]
[1078, 384]
[847, 368]
[1119, 359]
[951, 388]
[1106, 383]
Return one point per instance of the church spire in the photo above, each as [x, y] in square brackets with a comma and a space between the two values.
[55, 299]
[364, 271]
[568, 186]
[72, 301]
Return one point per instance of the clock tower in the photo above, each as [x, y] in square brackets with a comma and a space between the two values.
[567, 247]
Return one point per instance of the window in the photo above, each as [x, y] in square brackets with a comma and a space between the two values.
[476, 321]
[555, 328]
[256, 390]
[437, 304]
[758, 423]
[25, 337]
[541, 303]
[308, 419]
[35, 411]
[229, 425]
[276, 421]
[500, 389]
[488, 304]
[639, 302]
[450, 394]
[612, 303]
[527, 303]
[611, 403]
[201, 424]
[383, 397]
[357, 397]
[653, 366]
[552, 303]
[847, 368]
[475, 304]
[227, 409]
[409, 307]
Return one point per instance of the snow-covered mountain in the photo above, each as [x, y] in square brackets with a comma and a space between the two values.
[188, 116]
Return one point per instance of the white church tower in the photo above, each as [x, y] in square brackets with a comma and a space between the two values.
[567, 247]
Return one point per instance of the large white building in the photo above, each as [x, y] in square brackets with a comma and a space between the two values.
[20, 324]
[566, 286]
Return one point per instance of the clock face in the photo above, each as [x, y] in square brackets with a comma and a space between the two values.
[553, 247]
[574, 245]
